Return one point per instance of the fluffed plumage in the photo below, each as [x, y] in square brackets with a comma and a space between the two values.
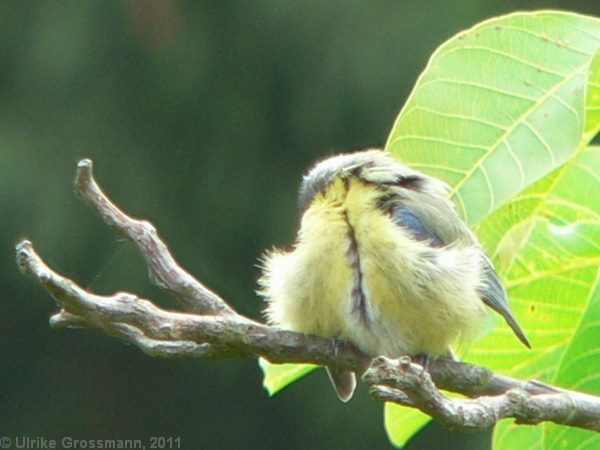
[381, 259]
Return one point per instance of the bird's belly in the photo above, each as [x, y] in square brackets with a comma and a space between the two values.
[363, 283]
[309, 287]
[403, 323]
[399, 315]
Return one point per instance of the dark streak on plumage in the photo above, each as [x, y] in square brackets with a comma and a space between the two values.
[385, 202]
[413, 182]
[358, 296]
[346, 186]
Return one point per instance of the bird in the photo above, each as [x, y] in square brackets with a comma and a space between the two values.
[383, 260]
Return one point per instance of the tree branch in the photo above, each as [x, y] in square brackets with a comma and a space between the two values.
[164, 270]
[529, 402]
[163, 333]
[213, 330]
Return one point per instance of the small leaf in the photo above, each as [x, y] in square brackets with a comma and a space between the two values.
[401, 423]
[278, 376]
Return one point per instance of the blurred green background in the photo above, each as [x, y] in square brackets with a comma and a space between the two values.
[201, 117]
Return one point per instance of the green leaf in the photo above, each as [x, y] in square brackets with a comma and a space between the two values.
[499, 106]
[578, 369]
[592, 104]
[278, 376]
[532, 193]
[545, 243]
[401, 423]
[552, 274]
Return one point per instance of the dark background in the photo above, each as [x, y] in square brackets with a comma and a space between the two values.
[201, 117]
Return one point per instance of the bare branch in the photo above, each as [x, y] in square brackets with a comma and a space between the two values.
[409, 384]
[214, 330]
[173, 334]
[163, 269]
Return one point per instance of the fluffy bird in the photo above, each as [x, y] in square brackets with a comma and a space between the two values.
[383, 260]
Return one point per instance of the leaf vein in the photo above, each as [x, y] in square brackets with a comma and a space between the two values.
[454, 116]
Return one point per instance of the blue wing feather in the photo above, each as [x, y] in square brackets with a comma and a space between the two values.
[406, 218]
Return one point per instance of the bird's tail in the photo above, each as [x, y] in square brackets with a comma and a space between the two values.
[344, 382]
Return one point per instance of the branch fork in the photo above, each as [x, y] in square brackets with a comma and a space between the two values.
[208, 328]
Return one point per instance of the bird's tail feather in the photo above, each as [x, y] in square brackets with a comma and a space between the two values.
[344, 382]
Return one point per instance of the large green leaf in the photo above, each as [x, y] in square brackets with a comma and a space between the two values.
[578, 369]
[546, 256]
[546, 246]
[499, 106]
[546, 243]
[592, 105]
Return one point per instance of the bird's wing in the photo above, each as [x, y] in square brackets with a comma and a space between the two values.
[493, 294]
[406, 218]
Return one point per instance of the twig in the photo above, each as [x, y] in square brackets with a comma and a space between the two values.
[164, 270]
[409, 384]
[212, 330]
[163, 333]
